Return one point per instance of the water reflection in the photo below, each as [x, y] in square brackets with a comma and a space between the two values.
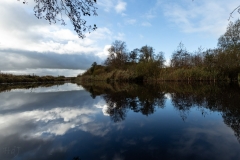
[163, 121]
[32, 120]
[122, 97]
[12, 86]
[143, 100]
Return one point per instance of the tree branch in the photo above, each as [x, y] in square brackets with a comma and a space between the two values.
[51, 10]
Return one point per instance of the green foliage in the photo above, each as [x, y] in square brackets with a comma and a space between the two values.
[143, 64]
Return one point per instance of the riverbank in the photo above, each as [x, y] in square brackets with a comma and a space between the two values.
[10, 78]
[133, 74]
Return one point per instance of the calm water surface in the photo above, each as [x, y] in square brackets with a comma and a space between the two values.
[120, 122]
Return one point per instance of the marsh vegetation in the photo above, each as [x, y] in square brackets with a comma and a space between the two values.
[144, 64]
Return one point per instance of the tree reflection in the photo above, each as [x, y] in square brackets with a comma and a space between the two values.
[76, 158]
[138, 100]
[120, 98]
[183, 103]
[117, 106]
[123, 97]
[224, 99]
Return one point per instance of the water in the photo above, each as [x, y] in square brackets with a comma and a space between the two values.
[120, 122]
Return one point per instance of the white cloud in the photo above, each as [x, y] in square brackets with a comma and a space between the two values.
[152, 12]
[104, 53]
[149, 15]
[119, 36]
[121, 6]
[55, 121]
[25, 41]
[57, 88]
[67, 118]
[52, 39]
[124, 14]
[200, 16]
[146, 24]
[131, 21]
[21, 30]
[106, 4]
[55, 115]
[103, 106]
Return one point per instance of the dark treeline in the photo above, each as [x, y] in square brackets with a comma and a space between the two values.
[10, 86]
[145, 99]
[221, 63]
[10, 78]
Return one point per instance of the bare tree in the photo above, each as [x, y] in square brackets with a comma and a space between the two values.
[117, 54]
[180, 57]
[236, 9]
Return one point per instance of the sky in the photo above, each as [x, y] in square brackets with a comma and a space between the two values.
[32, 46]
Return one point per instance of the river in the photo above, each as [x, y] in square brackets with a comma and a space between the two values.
[120, 122]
